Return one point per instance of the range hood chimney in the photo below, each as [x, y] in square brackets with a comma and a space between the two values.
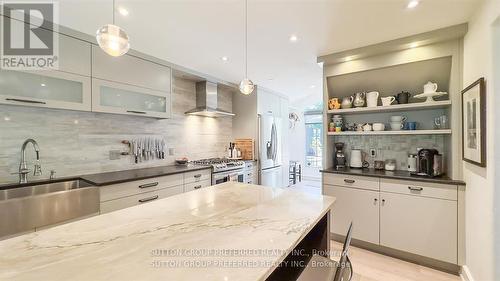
[207, 101]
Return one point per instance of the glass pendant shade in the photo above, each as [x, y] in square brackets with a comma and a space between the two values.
[113, 40]
[246, 86]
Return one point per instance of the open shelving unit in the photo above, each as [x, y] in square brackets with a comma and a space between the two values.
[400, 132]
[393, 108]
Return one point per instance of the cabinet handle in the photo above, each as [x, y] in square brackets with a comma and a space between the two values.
[383, 201]
[134, 111]
[197, 187]
[148, 185]
[375, 200]
[27, 101]
[197, 176]
[349, 181]
[415, 188]
[148, 199]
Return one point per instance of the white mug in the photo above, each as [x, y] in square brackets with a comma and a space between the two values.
[398, 118]
[430, 87]
[372, 99]
[378, 126]
[388, 100]
[396, 126]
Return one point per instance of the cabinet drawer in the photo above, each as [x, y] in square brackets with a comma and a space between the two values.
[197, 176]
[434, 190]
[369, 183]
[130, 70]
[196, 185]
[120, 190]
[137, 199]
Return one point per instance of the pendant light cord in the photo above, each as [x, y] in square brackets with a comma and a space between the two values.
[113, 12]
[246, 38]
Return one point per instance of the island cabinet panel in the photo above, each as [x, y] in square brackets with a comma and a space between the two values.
[115, 191]
[420, 225]
[358, 206]
[130, 70]
[196, 185]
[138, 199]
[370, 183]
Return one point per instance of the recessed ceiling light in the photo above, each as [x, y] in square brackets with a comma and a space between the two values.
[312, 86]
[123, 11]
[224, 58]
[293, 38]
[43, 85]
[412, 4]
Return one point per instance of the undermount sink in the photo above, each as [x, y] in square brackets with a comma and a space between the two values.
[30, 207]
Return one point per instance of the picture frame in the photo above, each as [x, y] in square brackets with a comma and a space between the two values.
[474, 123]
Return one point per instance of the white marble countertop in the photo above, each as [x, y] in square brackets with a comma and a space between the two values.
[210, 234]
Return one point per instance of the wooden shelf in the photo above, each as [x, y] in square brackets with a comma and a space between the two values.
[381, 133]
[393, 108]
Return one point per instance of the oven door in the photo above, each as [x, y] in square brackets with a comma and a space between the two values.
[223, 177]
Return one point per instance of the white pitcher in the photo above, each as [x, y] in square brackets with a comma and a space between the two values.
[372, 99]
[430, 87]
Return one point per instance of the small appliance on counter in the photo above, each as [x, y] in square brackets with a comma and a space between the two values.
[357, 159]
[412, 163]
[339, 160]
[429, 163]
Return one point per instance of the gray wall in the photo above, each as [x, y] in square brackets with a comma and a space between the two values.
[392, 147]
[75, 143]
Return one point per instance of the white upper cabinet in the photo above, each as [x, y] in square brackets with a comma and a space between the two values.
[130, 70]
[268, 103]
[112, 97]
[130, 85]
[67, 87]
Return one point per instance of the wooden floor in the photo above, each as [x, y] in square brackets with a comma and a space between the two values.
[370, 266]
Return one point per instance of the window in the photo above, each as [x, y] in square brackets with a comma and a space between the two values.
[314, 139]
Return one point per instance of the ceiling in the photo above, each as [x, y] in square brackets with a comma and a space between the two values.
[197, 33]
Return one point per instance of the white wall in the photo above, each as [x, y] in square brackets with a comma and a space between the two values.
[298, 138]
[480, 190]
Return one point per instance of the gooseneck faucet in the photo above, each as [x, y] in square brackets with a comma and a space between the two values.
[23, 169]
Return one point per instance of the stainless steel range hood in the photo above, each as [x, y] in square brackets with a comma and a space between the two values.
[207, 101]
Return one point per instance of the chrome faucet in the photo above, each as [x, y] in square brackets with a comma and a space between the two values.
[23, 169]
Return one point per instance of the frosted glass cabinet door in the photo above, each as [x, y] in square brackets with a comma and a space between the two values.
[50, 89]
[111, 97]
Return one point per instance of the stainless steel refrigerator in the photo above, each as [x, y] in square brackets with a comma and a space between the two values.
[271, 173]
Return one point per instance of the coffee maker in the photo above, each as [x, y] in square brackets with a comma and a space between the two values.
[429, 163]
[339, 160]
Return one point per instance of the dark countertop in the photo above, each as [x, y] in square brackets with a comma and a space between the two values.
[107, 178]
[400, 175]
[139, 174]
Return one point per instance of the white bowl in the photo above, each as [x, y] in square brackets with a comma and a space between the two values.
[398, 118]
[378, 126]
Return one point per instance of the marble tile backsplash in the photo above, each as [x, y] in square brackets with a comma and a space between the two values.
[392, 147]
[76, 143]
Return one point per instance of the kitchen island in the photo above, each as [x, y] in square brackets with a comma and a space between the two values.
[230, 231]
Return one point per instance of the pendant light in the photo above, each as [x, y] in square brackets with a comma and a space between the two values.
[112, 39]
[246, 85]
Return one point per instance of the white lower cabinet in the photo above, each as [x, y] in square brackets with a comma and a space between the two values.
[420, 225]
[196, 185]
[356, 205]
[411, 216]
[129, 201]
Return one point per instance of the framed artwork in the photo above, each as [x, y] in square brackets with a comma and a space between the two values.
[474, 123]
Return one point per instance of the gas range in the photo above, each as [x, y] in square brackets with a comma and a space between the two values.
[221, 164]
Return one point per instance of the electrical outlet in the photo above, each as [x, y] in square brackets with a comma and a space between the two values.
[171, 151]
[373, 153]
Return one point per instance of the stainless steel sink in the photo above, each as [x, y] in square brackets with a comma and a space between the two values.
[26, 208]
